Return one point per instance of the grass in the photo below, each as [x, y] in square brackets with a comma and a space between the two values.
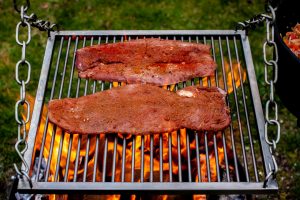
[140, 14]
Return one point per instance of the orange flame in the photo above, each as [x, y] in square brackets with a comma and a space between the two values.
[234, 78]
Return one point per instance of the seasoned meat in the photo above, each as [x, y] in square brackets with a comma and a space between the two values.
[155, 61]
[142, 109]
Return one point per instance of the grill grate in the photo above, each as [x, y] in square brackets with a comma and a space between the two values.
[232, 161]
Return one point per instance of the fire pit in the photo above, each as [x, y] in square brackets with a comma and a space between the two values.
[288, 16]
[235, 160]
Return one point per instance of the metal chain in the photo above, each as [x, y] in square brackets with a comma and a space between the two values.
[257, 20]
[42, 25]
[22, 105]
[33, 20]
[271, 76]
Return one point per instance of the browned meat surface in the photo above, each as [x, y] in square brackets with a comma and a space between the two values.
[155, 61]
[142, 109]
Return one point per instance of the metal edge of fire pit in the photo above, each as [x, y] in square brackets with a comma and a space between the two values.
[97, 187]
[155, 188]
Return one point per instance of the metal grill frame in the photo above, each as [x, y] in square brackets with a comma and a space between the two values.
[155, 187]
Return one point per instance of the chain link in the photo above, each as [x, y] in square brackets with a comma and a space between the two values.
[272, 122]
[23, 24]
[274, 68]
[23, 63]
[271, 77]
[274, 107]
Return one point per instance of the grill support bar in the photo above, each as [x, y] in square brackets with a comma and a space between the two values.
[159, 188]
[267, 157]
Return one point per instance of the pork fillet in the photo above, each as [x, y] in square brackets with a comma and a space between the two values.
[142, 109]
[154, 61]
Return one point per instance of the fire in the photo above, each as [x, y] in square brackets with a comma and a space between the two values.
[140, 147]
[234, 78]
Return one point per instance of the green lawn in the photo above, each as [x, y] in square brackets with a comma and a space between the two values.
[138, 14]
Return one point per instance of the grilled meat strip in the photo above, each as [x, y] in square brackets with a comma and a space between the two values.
[154, 61]
[142, 109]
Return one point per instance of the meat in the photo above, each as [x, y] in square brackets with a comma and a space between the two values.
[142, 109]
[154, 61]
